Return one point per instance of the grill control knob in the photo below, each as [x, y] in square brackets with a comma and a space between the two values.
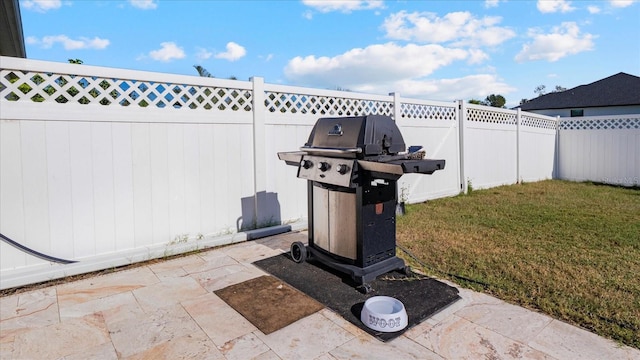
[324, 166]
[342, 169]
[306, 164]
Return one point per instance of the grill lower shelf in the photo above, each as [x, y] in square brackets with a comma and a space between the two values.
[361, 275]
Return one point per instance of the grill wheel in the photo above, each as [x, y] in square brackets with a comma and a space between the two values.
[298, 252]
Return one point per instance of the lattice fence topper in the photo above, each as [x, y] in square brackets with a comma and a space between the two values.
[431, 112]
[324, 105]
[67, 88]
[494, 117]
[535, 122]
[622, 122]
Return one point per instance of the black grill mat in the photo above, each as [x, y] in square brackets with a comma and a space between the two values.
[422, 296]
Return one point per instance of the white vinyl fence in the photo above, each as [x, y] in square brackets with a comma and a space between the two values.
[603, 149]
[107, 167]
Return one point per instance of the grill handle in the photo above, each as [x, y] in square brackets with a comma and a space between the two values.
[331, 151]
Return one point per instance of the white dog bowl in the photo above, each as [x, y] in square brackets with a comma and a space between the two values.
[384, 314]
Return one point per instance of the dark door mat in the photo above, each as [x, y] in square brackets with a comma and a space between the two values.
[422, 296]
[268, 303]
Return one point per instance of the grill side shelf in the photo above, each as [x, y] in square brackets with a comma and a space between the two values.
[292, 158]
[426, 166]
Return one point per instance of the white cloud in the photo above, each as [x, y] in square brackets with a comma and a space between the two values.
[345, 6]
[168, 51]
[307, 15]
[491, 3]
[41, 5]
[203, 54]
[144, 4]
[621, 3]
[551, 6]
[473, 86]
[67, 43]
[477, 56]
[460, 28]
[375, 64]
[233, 53]
[593, 9]
[564, 40]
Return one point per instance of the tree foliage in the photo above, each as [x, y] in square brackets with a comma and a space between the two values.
[495, 100]
[542, 89]
[204, 73]
[491, 100]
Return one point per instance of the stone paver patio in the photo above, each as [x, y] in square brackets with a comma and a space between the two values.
[167, 310]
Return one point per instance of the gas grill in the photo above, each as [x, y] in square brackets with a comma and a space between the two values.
[352, 165]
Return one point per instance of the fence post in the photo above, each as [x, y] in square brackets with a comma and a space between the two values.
[518, 139]
[397, 107]
[556, 165]
[462, 111]
[259, 151]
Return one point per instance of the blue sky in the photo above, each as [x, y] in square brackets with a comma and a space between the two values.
[434, 50]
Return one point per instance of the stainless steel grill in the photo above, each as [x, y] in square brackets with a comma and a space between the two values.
[352, 165]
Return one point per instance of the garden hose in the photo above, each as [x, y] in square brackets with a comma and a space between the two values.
[33, 252]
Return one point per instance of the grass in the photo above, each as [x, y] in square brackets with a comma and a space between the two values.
[570, 250]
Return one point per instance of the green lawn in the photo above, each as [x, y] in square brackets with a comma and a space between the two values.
[570, 250]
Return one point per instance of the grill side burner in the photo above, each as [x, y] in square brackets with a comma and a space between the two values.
[352, 165]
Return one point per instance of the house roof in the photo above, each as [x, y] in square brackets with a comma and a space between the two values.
[617, 90]
[11, 38]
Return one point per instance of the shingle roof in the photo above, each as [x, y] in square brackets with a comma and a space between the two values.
[617, 90]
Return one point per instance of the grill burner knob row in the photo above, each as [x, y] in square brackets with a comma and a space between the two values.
[324, 166]
[342, 169]
[307, 164]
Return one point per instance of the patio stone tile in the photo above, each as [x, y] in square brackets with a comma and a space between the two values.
[8, 305]
[97, 305]
[283, 242]
[192, 346]
[105, 285]
[26, 311]
[140, 333]
[55, 341]
[325, 357]
[509, 320]
[244, 347]
[175, 264]
[421, 328]
[224, 276]
[250, 252]
[458, 338]
[564, 341]
[370, 348]
[217, 319]
[342, 322]
[269, 355]
[307, 338]
[175, 273]
[467, 298]
[168, 292]
[104, 351]
[124, 311]
[209, 261]
[6, 350]
[471, 297]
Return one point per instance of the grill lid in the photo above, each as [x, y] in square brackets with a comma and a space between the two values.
[360, 136]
